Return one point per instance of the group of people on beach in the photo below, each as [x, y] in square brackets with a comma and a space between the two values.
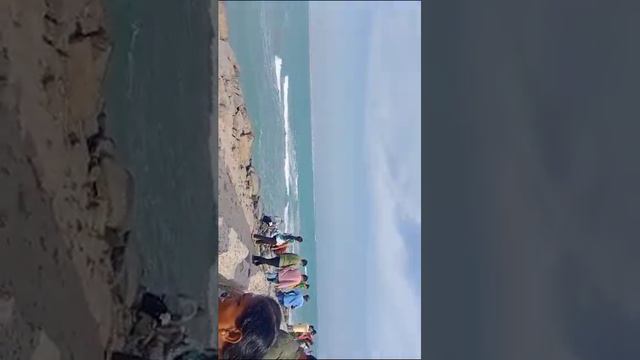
[250, 326]
[289, 279]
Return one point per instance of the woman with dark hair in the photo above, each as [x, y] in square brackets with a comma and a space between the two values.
[247, 325]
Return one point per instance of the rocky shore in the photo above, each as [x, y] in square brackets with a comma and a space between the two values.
[238, 183]
[65, 201]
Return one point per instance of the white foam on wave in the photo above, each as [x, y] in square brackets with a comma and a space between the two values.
[290, 165]
[286, 219]
[278, 66]
[135, 27]
[287, 136]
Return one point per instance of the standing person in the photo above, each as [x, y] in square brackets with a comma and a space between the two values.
[302, 285]
[280, 249]
[305, 336]
[281, 261]
[278, 239]
[292, 299]
[288, 278]
[300, 328]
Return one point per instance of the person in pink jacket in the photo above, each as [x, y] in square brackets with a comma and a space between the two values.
[288, 278]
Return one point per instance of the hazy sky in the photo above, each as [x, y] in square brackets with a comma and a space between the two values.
[365, 95]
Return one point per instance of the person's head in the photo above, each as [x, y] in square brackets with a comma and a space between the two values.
[303, 262]
[306, 298]
[306, 285]
[313, 331]
[305, 278]
[247, 325]
[298, 238]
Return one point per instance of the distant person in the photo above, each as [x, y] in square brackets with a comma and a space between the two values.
[302, 285]
[301, 328]
[247, 325]
[281, 261]
[277, 239]
[292, 299]
[305, 336]
[288, 278]
[268, 220]
[280, 249]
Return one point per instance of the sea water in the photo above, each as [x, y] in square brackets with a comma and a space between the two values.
[271, 44]
[159, 108]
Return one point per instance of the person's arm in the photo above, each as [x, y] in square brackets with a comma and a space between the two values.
[285, 271]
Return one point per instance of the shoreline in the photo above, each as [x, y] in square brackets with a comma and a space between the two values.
[238, 183]
[66, 270]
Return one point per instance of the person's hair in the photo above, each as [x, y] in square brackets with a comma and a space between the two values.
[259, 325]
[305, 277]
[304, 262]
[306, 298]
[277, 312]
[313, 331]
[307, 285]
[299, 238]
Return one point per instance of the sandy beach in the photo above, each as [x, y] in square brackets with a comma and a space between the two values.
[63, 213]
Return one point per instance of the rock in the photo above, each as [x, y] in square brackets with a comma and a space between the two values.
[115, 183]
[46, 349]
[253, 183]
[258, 283]
[235, 255]
[7, 305]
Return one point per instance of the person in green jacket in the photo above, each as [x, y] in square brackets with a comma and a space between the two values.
[282, 261]
[285, 347]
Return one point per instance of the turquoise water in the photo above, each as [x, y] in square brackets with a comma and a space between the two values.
[271, 43]
[159, 104]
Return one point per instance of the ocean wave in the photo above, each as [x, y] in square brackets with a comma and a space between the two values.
[278, 66]
[287, 135]
[135, 27]
[286, 218]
